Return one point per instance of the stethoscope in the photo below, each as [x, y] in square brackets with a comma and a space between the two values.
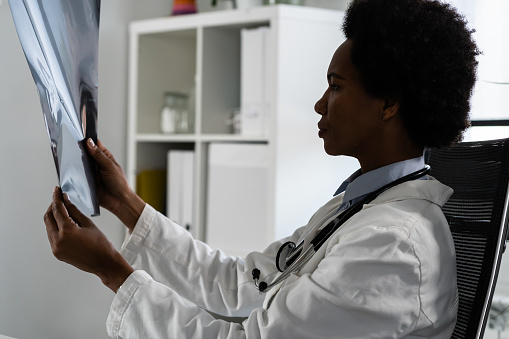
[292, 257]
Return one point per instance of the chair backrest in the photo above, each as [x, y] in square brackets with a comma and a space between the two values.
[477, 214]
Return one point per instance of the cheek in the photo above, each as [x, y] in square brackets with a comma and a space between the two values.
[340, 115]
[335, 108]
[357, 112]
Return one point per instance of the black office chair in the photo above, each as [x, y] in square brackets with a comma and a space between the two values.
[477, 214]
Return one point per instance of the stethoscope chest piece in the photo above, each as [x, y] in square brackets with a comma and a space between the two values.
[282, 257]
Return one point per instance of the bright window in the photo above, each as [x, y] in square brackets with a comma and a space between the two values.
[490, 100]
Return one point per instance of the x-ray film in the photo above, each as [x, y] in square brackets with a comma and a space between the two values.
[60, 41]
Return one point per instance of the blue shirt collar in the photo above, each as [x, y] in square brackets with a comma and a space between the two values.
[358, 184]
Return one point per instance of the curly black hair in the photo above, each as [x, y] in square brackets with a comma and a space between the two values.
[422, 53]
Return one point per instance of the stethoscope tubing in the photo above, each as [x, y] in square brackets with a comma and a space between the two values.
[302, 257]
[301, 260]
[331, 228]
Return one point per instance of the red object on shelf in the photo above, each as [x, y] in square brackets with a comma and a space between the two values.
[183, 7]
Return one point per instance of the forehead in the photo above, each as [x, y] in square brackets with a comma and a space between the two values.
[341, 63]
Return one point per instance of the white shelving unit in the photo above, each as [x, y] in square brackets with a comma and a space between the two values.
[203, 50]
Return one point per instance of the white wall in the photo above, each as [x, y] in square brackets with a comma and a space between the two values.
[41, 297]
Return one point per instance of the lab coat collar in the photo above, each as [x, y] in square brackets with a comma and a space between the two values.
[431, 190]
[359, 184]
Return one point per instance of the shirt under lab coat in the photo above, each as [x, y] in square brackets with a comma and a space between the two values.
[388, 272]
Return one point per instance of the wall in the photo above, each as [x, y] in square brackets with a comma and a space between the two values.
[41, 297]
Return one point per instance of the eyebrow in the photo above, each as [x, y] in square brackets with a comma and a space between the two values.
[334, 75]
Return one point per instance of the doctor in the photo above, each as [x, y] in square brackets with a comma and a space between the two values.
[399, 83]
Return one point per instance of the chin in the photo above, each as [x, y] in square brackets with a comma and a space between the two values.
[331, 151]
[337, 150]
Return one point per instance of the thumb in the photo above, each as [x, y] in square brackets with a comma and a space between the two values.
[97, 153]
[75, 214]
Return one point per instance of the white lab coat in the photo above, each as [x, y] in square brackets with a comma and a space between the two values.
[388, 272]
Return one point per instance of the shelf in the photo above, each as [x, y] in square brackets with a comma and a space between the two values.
[157, 137]
[232, 138]
[233, 18]
[186, 138]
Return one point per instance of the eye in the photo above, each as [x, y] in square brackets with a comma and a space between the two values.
[334, 87]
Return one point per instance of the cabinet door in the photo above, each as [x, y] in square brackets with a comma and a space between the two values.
[237, 218]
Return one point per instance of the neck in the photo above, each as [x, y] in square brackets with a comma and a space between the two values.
[381, 160]
[394, 146]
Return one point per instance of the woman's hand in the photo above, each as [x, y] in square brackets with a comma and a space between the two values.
[75, 240]
[113, 189]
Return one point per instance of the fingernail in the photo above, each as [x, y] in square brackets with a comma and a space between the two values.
[91, 142]
[66, 197]
[55, 189]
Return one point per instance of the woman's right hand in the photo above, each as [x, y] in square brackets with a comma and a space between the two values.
[114, 192]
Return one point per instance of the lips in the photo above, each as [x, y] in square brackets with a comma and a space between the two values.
[321, 131]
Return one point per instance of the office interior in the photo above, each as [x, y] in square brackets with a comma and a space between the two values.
[41, 297]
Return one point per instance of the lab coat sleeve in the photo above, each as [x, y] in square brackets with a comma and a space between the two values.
[367, 286]
[204, 276]
[144, 308]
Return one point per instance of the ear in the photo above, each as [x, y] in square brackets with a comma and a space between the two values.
[390, 108]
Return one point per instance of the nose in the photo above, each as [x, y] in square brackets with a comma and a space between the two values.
[321, 106]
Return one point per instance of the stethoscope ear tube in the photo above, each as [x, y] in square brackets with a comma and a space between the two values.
[326, 232]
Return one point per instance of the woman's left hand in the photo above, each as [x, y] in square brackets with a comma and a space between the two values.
[76, 240]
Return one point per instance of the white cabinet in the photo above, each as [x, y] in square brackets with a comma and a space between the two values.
[204, 50]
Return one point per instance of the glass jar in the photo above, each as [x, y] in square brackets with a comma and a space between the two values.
[191, 110]
[174, 113]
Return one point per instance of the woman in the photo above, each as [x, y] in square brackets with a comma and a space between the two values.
[399, 83]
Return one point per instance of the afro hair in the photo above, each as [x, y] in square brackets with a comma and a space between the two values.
[422, 53]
